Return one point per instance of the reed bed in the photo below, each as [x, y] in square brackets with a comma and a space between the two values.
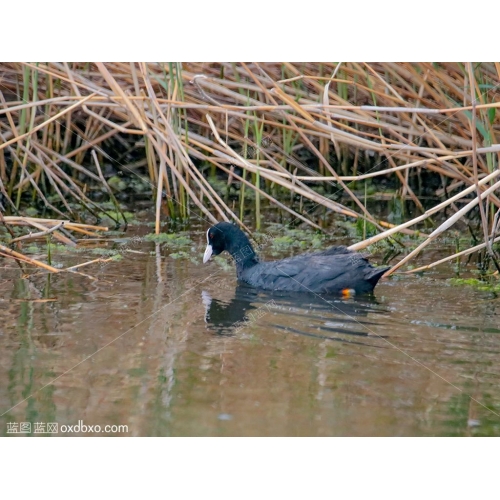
[61, 230]
[275, 128]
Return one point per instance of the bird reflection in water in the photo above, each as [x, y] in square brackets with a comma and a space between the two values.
[324, 317]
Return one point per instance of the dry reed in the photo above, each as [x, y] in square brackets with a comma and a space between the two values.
[357, 121]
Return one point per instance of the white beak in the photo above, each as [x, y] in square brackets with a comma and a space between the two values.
[207, 254]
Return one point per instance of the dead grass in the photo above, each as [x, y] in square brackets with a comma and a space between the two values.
[357, 121]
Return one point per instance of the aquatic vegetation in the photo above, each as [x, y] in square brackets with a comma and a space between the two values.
[194, 258]
[223, 262]
[180, 255]
[117, 183]
[171, 239]
[486, 286]
[111, 216]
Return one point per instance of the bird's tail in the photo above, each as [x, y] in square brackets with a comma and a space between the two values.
[375, 274]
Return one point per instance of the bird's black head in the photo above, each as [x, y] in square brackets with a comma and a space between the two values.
[226, 236]
[216, 240]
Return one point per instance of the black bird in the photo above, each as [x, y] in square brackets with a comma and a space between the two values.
[335, 270]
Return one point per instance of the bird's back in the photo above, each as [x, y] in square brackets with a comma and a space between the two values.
[329, 271]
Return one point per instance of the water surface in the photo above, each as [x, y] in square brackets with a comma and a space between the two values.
[170, 347]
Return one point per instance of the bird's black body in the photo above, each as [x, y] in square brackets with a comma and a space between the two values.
[330, 271]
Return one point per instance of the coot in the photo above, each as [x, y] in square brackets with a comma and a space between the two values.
[334, 270]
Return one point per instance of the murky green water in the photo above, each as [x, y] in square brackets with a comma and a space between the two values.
[159, 344]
